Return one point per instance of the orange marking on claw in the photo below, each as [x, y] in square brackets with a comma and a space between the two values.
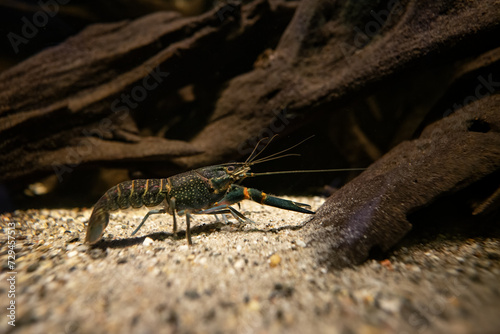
[264, 196]
[245, 193]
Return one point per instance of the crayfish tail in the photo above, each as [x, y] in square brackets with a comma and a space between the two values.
[97, 223]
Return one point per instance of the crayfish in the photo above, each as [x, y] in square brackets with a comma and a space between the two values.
[206, 190]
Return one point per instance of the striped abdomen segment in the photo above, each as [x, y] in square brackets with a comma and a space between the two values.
[135, 194]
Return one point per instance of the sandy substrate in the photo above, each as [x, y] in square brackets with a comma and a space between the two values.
[257, 278]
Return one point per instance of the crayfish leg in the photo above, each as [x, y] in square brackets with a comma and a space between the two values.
[188, 229]
[171, 205]
[225, 209]
[152, 212]
[238, 193]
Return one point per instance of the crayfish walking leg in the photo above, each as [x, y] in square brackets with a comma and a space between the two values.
[171, 205]
[152, 212]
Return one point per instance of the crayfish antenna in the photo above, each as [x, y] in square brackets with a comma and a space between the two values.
[277, 154]
[252, 157]
[308, 171]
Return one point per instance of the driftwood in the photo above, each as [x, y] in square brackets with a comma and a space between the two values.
[325, 59]
[371, 211]
[164, 94]
[72, 105]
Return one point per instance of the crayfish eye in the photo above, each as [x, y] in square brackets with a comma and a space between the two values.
[230, 169]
